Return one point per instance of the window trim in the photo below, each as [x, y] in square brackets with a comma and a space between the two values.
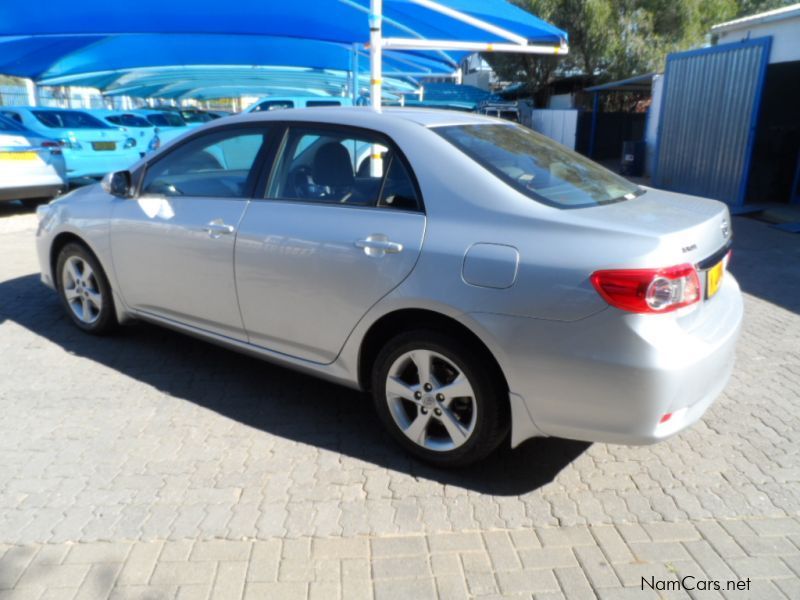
[335, 127]
[265, 154]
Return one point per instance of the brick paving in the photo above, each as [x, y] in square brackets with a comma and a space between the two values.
[152, 465]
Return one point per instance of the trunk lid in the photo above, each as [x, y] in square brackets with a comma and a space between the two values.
[684, 229]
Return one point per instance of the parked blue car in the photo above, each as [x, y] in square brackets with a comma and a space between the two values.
[144, 133]
[91, 147]
[170, 124]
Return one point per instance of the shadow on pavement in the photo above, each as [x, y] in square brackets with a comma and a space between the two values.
[766, 262]
[270, 398]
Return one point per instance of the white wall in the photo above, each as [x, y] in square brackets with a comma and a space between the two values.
[785, 37]
[560, 125]
[651, 130]
[561, 101]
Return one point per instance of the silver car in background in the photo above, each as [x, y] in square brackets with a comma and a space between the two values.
[32, 167]
[477, 278]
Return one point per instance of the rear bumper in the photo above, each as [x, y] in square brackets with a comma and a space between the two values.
[49, 190]
[612, 377]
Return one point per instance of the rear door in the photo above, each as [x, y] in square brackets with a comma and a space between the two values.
[341, 226]
[173, 245]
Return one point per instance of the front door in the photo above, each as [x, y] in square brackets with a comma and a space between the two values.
[173, 245]
[342, 225]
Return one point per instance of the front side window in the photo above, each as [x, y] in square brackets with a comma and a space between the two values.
[220, 164]
[336, 167]
[166, 120]
[316, 103]
[68, 119]
[12, 115]
[7, 124]
[129, 121]
[538, 167]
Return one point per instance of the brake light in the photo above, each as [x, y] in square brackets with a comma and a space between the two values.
[649, 290]
[54, 147]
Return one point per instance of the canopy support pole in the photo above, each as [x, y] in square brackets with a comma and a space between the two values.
[33, 92]
[375, 52]
[356, 85]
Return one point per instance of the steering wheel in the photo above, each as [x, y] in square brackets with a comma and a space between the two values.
[301, 180]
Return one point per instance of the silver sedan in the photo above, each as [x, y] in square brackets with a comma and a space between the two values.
[483, 283]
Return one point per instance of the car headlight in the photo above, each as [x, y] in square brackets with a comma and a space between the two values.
[129, 143]
[70, 143]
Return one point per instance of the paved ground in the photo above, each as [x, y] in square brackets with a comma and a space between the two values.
[151, 465]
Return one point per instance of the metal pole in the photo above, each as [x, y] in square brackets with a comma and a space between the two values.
[595, 110]
[375, 52]
[33, 92]
[356, 85]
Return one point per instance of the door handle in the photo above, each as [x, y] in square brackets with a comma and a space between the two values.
[378, 245]
[217, 228]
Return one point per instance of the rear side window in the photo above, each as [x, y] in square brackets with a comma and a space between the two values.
[68, 119]
[313, 103]
[274, 105]
[339, 167]
[538, 167]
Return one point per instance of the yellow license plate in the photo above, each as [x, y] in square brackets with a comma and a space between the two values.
[714, 278]
[27, 155]
[104, 145]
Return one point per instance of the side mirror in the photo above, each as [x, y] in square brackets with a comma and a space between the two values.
[117, 184]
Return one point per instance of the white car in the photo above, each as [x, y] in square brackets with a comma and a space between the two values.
[284, 102]
[32, 167]
[143, 132]
[91, 148]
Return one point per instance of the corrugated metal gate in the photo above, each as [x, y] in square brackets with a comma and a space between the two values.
[708, 119]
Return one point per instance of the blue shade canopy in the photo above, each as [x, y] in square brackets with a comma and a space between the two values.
[101, 39]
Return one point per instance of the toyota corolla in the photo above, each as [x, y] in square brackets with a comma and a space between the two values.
[483, 283]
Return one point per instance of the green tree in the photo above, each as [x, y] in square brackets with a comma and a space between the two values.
[612, 39]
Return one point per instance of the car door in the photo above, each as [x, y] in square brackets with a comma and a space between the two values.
[341, 226]
[173, 244]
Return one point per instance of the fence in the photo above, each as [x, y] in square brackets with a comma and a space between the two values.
[17, 95]
[559, 125]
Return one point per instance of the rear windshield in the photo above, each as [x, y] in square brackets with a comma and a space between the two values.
[191, 116]
[538, 167]
[166, 120]
[68, 119]
[129, 121]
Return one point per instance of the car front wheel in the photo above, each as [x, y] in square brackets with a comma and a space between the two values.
[439, 398]
[84, 290]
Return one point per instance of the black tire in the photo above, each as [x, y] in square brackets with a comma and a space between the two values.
[490, 397]
[32, 203]
[102, 321]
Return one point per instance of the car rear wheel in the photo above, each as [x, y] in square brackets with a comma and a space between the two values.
[439, 398]
[84, 290]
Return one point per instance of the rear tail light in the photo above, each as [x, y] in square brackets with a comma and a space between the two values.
[54, 147]
[649, 290]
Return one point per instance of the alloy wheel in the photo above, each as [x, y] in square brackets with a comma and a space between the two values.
[81, 290]
[431, 400]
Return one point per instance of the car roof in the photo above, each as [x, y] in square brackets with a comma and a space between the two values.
[49, 108]
[426, 117]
